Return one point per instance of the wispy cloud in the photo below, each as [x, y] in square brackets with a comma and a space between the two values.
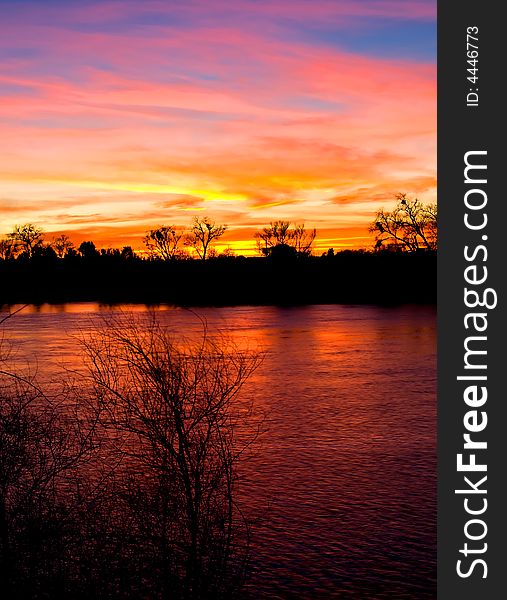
[136, 111]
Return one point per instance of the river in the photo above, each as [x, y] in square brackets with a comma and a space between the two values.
[345, 476]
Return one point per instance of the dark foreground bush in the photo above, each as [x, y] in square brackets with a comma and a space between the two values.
[125, 486]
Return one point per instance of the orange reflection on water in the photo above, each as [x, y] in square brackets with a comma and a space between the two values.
[349, 459]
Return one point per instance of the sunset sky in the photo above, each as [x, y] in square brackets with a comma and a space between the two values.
[117, 116]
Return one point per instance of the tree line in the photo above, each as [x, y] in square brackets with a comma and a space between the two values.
[410, 227]
[166, 242]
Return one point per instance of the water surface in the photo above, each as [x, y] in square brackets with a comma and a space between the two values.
[345, 478]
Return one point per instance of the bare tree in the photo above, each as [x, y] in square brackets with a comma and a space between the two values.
[27, 238]
[411, 225]
[204, 232]
[62, 245]
[276, 234]
[174, 409]
[163, 242]
[302, 239]
[279, 234]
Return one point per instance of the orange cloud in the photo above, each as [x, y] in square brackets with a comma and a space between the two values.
[130, 127]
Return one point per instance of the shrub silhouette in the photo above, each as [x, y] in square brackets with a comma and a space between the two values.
[173, 409]
[42, 452]
[124, 484]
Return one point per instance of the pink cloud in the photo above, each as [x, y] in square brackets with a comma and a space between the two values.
[277, 124]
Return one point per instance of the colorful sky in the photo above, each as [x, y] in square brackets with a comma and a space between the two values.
[117, 116]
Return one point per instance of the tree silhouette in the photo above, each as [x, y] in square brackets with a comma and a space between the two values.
[280, 239]
[204, 232]
[302, 239]
[88, 250]
[123, 484]
[173, 409]
[62, 245]
[163, 242]
[411, 226]
[274, 235]
[127, 253]
[27, 238]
